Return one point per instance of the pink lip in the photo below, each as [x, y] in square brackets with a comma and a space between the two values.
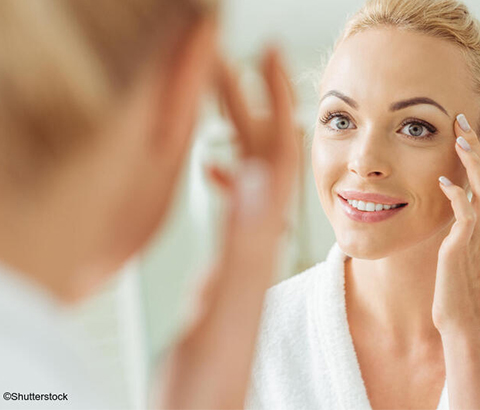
[369, 217]
[377, 198]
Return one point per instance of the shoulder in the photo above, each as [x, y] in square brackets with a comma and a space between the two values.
[291, 307]
[290, 367]
[292, 290]
[285, 310]
[281, 372]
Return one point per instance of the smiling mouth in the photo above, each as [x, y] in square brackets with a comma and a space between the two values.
[370, 207]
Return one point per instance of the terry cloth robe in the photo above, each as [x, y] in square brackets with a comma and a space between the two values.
[305, 355]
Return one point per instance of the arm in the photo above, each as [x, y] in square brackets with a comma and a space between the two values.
[462, 362]
[210, 366]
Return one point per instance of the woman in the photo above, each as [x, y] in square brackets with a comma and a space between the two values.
[97, 105]
[392, 317]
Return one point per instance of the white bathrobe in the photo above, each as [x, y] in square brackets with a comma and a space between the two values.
[40, 353]
[305, 355]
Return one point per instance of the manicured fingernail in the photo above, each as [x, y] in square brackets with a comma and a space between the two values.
[253, 187]
[464, 144]
[462, 121]
[445, 181]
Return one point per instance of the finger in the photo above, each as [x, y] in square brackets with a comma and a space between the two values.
[234, 103]
[471, 161]
[465, 215]
[280, 98]
[286, 77]
[463, 127]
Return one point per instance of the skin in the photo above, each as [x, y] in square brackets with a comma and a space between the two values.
[399, 278]
[73, 231]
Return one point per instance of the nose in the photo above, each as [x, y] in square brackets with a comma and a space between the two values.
[370, 154]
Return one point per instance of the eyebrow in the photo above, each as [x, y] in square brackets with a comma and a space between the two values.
[399, 105]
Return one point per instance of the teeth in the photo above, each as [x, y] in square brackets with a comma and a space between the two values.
[370, 206]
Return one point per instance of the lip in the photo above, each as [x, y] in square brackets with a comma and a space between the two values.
[368, 217]
[371, 197]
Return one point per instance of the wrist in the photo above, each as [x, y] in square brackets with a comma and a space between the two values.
[461, 339]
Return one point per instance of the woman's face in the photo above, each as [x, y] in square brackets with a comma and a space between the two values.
[385, 126]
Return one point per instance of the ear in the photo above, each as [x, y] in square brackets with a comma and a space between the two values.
[189, 71]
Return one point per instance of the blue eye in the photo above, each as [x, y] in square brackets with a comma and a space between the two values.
[341, 123]
[418, 129]
[338, 121]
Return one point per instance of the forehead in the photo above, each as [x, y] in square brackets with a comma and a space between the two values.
[388, 64]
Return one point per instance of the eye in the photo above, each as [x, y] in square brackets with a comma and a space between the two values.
[418, 129]
[337, 121]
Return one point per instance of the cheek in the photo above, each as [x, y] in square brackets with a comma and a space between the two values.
[328, 166]
[420, 172]
[414, 171]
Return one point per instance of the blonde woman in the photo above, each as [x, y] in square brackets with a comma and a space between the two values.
[97, 104]
[391, 319]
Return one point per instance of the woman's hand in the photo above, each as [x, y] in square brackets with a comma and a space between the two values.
[210, 367]
[456, 305]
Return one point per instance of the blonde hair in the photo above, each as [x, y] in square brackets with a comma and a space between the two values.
[65, 63]
[449, 20]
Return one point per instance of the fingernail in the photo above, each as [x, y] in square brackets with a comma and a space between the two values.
[464, 144]
[253, 184]
[462, 121]
[445, 181]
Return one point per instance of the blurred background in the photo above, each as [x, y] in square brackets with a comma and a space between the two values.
[132, 321]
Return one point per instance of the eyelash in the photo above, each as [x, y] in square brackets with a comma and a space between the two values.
[329, 115]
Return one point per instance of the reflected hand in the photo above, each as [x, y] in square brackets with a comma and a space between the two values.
[210, 366]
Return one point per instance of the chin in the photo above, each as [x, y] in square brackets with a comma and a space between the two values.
[362, 247]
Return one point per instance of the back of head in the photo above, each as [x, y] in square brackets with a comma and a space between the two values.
[63, 66]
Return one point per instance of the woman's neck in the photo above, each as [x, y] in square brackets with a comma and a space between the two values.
[395, 294]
